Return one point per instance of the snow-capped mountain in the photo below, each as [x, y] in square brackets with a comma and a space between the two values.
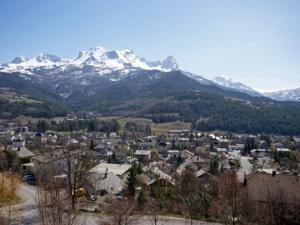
[94, 61]
[103, 59]
[278, 95]
[285, 95]
[235, 85]
[41, 61]
[115, 65]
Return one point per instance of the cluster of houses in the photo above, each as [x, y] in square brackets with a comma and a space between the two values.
[162, 158]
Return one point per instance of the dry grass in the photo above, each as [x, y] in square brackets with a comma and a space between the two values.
[106, 118]
[163, 128]
[156, 128]
[123, 121]
[58, 119]
[8, 186]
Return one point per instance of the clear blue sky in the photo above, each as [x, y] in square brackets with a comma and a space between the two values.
[256, 41]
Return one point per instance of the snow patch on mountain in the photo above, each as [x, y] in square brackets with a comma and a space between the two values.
[285, 95]
[41, 61]
[235, 85]
[199, 78]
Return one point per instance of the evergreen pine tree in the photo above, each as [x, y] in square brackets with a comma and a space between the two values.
[139, 169]
[214, 166]
[92, 144]
[141, 199]
[132, 181]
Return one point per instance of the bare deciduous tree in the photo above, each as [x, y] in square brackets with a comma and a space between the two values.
[53, 204]
[121, 213]
[188, 190]
[154, 206]
[2, 160]
[76, 168]
[278, 209]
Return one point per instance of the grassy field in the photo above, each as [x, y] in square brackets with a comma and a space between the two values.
[25, 100]
[162, 128]
[7, 95]
[58, 119]
[11, 96]
[108, 117]
[123, 121]
[25, 119]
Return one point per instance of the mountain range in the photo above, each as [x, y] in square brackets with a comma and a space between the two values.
[122, 83]
[117, 64]
[292, 94]
[95, 61]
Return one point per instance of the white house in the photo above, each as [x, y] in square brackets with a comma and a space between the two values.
[18, 141]
[143, 155]
[107, 178]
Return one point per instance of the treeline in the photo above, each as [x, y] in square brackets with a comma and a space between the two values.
[162, 118]
[138, 128]
[245, 117]
[94, 125]
[210, 112]
[249, 145]
[10, 110]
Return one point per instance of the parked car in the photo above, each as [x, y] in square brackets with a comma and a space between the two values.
[29, 178]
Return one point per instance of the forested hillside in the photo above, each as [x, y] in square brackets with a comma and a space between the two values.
[160, 96]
